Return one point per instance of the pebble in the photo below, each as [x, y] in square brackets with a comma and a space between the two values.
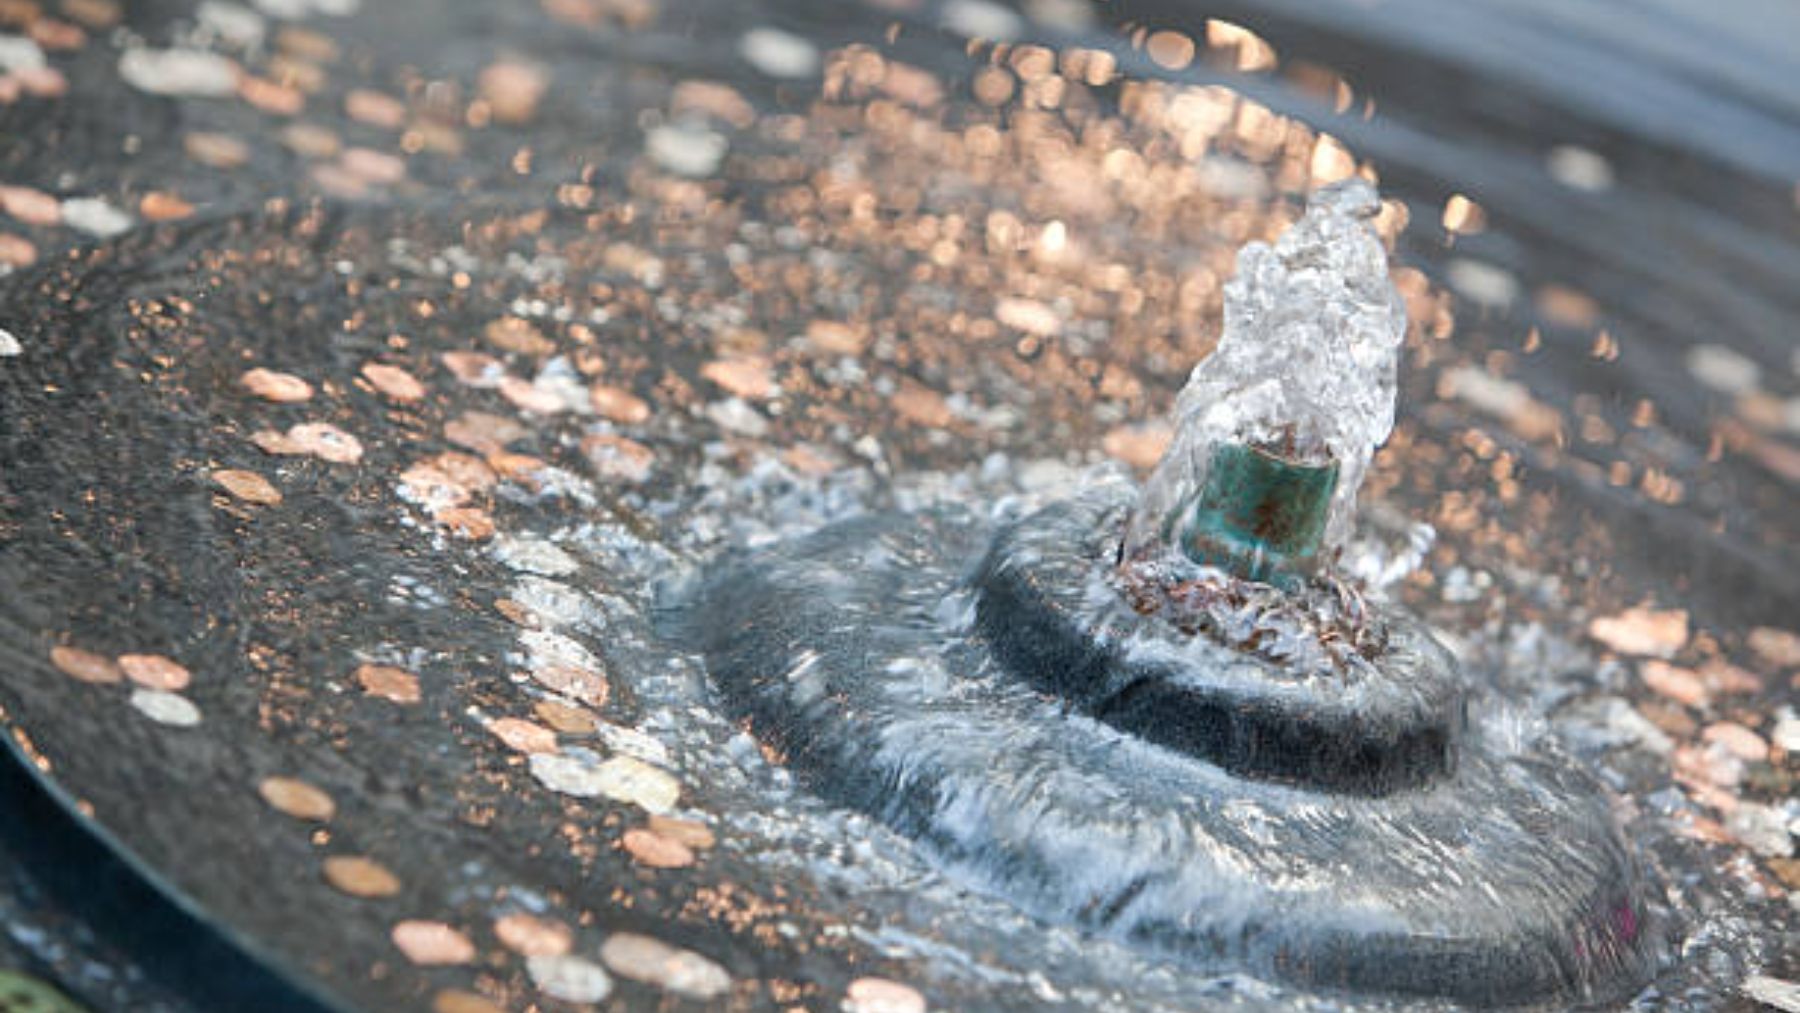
[569, 775]
[1641, 631]
[570, 979]
[1677, 684]
[628, 779]
[836, 338]
[33, 207]
[44, 82]
[370, 166]
[1482, 283]
[298, 799]
[272, 97]
[779, 54]
[618, 458]
[248, 486]
[166, 708]
[153, 671]
[619, 404]
[9, 345]
[240, 26]
[85, 666]
[529, 397]
[396, 383]
[692, 833]
[272, 385]
[734, 415]
[1787, 734]
[523, 736]
[1139, 446]
[472, 523]
[483, 432]
[325, 442]
[654, 962]
[389, 683]
[1775, 646]
[531, 936]
[922, 406]
[1580, 168]
[179, 72]
[686, 149]
[309, 140]
[429, 943]
[20, 53]
[1723, 369]
[655, 851]
[360, 877]
[565, 718]
[881, 995]
[94, 13]
[1028, 315]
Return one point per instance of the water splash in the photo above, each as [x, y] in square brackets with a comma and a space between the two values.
[1306, 364]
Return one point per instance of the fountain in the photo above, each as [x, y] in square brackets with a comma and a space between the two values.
[1167, 717]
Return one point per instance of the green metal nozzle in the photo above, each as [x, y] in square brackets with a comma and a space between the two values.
[1260, 514]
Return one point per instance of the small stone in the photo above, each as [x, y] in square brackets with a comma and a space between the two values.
[298, 799]
[44, 82]
[153, 671]
[836, 338]
[306, 44]
[982, 19]
[523, 736]
[654, 962]
[531, 936]
[389, 683]
[94, 13]
[1678, 684]
[334, 179]
[779, 54]
[482, 432]
[179, 72]
[431, 944]
[515, 334]
[326, 442]
[569, 775]
[239, 26]
[1775, 646]
[535, 555]
[455, 1000]
[1028, 315]
[749, 378]
[85, 666]
[565, 718]
[881, 995]
[164, 206]
[652, 849]
[686, 149]
[9, 346]
[1580, 168]
[272, 97]
[1723, 677]
[570, 979]
[628, 779]
[166, 708]
[33, 207]
[619, 405]
[1786, 735]
[472, 523]
[309, 140]
[512, 90]
[221, 151]
[1738, 740]
[271, 385]
[377, 109]
[247, 486]
[396, 383]
[475, 369]
[1641, 631]
[360, 877]
[692, 833]
[272, 442]
[528, 397]
[573, 681]
[618, 458]
[1723, 369]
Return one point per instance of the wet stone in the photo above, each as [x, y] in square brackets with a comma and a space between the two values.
[248, 486]
[396, 383]
[523, 736]
[651, 849]
[1776, 646]
[691, 833]
[565, 718]
[654, 962]
[453, 1000]
[1644, 632]
[179, 72]
[779, 54]
[618, 458]
[273, 385]
[32, 207]
[517, 335]
[95, 217]
[389, 683]
[881, 995]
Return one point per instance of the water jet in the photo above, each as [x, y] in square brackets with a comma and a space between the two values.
[1163, 715]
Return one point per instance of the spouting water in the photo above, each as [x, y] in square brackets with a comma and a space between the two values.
[1303, 374]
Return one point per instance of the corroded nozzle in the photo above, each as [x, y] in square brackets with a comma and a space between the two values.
[1259, 514]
